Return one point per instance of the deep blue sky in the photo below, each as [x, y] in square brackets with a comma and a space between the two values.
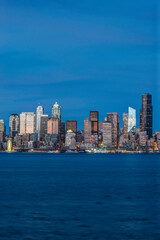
[87, 55]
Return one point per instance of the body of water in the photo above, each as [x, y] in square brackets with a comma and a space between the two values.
[79, 196]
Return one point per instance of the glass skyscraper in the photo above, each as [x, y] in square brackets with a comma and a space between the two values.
[146, 114]
[131, 119]
[56, 111]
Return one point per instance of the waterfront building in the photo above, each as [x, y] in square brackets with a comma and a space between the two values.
[14, 124]
[146, 114]
[143, 137]
[70, 138]
[53, 126]
[56, 111]
[114, 119]
[107, 134]
[158, 139]
[123, 141]
[94, 118]
[27, 123]
[150, 143]
[94, 140]
[51, 140]
[43, 126]
[125, 125]
[87, 130]
[9, 145]
[131, 119]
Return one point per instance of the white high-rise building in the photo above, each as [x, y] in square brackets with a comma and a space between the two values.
[131, 119]
[27, 123]
[56, 111]
[39, 113]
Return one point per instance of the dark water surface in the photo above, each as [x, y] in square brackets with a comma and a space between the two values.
[79, 196]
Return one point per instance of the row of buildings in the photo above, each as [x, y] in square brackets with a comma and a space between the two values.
[39, 131]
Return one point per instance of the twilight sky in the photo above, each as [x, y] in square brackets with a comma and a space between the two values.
[87, 55]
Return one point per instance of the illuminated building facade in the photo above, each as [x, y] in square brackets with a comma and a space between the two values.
[71, 125]
[87, 130]
[27, 123]
[2, 130]
[39, 113]
[125, 125]
[131, 119]
[107, 134]
[14, 125]
[114, 119]
[56, 111]
[94, 118]
[53, 126]
[70, 138]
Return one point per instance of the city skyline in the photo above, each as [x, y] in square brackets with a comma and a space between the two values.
[79, 124]
[85, 56]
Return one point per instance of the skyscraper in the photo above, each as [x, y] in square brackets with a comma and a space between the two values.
[27, 123]
[13, 125]
[53, 126]
[56, 111]
[114, 119]
[71, 125]
[131, 119]
[43, 126]
[39, 113]
[107, 134]
[87, 130]
[94, 118]
[125, 125]
[146, 115]
[2, 130]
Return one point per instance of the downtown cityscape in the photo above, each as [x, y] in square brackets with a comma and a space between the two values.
[40, 132]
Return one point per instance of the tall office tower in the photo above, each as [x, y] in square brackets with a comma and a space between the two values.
[94, 118]
[27, 123]
[125, 125]
[146, 115]
[53, 126]
[13, 125]
[131, 119]
[43, 126]
[87, 130]
[62, 132]
[114, 119]
[2, 130]
[56, 111]
[107, 134]
[71, 125]
[39, 113]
